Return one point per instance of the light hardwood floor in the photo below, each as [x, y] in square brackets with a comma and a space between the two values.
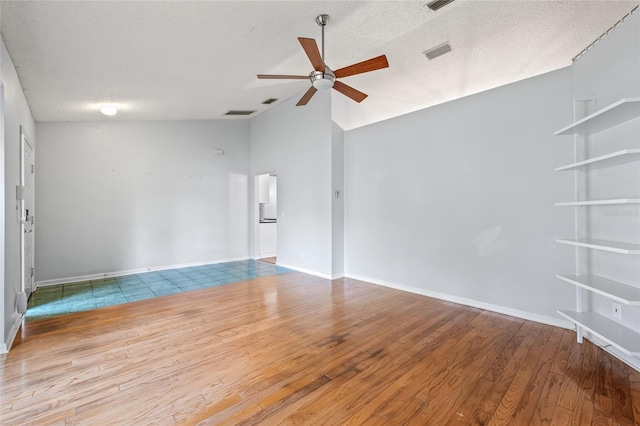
[294, 349]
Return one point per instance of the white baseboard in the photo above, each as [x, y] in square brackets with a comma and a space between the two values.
[270, 254]
[309, 271]
[631, 361]
[556, 322]
[306, 271]
[132, 271]
[6, 346]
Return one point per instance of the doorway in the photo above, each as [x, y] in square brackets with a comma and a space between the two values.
[26, 213]
[267, 196]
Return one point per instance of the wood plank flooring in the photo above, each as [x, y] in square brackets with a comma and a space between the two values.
[295, 349]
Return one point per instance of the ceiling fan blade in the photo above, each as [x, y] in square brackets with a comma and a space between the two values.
[283, 77]
[311, 49]
[372, 64]
[349, 91]
[307, 96]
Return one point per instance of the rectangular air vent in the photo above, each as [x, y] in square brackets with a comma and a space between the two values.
[438, 4]
[437, 51]
[239, 112]
[269, 101]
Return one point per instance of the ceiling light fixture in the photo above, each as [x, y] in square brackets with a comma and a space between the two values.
[109, 110]
[322, 80]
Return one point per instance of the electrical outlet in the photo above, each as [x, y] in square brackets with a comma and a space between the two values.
[616, 310]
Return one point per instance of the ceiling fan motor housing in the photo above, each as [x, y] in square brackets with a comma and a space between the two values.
[322, 80]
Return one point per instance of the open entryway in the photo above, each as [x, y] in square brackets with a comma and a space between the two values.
[267, 195]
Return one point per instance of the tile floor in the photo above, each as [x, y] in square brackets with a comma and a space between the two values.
[51, 301]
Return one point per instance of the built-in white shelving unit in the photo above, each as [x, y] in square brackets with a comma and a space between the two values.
[599, 202]
[616, 113]
[622, 338]
[607, 330]
[614, 290]
[612, 159]
[612, 246]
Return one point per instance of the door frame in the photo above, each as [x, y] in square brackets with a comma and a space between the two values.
[255, 213]
[24, 169]
[255, 218]
[3, 342]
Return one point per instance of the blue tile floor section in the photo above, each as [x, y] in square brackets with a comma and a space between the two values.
[61, 299]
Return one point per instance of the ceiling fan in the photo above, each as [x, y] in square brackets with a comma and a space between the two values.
[322, 77]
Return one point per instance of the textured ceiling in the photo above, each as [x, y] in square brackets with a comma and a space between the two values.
[186, 60]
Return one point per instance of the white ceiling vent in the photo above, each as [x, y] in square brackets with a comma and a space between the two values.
[437, 51]
[239, 112]
[438, 4]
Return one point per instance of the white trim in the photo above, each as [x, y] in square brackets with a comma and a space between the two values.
[255, 220]
[3, 284]
[133, 271]
[6, 346]
[24, 142]
[306, 271]
[556, 322]
[269, 254]
[337, 276]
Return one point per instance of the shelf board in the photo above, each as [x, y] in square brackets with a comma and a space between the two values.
[612, 246]
[613, 333]
[614, 290]
[599, 202]
[612, 115]
[612, 159]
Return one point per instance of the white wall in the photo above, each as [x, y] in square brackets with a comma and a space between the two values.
[16, 114]
[121, 196]
[609, 72]
[296, 143]
[457, 200]
[337, 201]
[348, 114]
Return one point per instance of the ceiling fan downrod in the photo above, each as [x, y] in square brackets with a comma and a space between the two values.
[322, 20]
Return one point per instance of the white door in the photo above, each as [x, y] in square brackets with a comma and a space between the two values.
[27, 214]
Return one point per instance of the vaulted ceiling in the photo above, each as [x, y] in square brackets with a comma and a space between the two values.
[186, 60]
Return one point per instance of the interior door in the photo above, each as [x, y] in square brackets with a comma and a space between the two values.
[27, 213]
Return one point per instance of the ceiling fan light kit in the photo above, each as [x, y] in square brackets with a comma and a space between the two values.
[322, 77]
[322, 80]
